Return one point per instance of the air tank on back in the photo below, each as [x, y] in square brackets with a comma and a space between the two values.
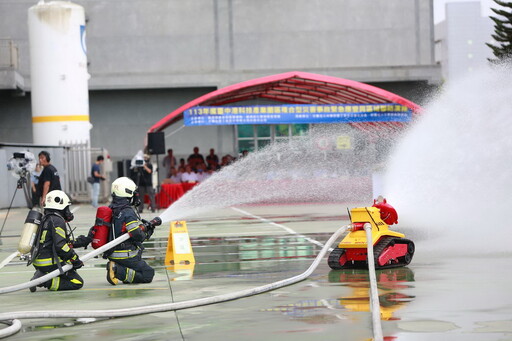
[58, 73]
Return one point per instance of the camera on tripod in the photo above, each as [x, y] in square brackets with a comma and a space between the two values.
[21, 165]
[139, 163]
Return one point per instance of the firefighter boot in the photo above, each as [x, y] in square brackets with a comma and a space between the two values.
[111, 273]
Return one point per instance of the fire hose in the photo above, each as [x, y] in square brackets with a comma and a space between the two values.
[8, 259]
[12, 318]
[65, 268]
[374, 292]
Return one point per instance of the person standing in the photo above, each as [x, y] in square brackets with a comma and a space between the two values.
[195, 159]
[125, 260]
[169, 162]
[34, 180]
[212, 160]
[146, 183]
[54, 245]
[49, 179]
[97, 177]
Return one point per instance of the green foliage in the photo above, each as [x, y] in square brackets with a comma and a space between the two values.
[502, 31]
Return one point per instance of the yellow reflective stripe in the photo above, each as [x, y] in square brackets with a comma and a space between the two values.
[59, 118]
[43, 236]
[123, 254]
[135, 223]
[65, 248]
[55, 283]
[130, 275]
[60, 232]
[43, 262]
[76, 281]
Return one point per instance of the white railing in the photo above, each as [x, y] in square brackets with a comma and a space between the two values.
[8, 54]
[78, 161]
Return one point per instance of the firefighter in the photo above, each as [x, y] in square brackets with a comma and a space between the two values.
[53, 249]
[125, 260]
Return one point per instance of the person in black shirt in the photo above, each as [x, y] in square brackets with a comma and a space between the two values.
[145, 183]
[49, 179]
[195, 158]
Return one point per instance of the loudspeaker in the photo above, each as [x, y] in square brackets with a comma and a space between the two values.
[156, 143]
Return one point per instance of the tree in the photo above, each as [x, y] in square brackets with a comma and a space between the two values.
[502, 31]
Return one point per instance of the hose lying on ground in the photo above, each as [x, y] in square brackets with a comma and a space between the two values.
[8, 259]
[13, 316]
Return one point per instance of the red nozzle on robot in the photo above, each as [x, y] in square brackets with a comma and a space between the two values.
[387, 212]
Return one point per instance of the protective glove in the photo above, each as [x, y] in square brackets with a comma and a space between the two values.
[77, 263]
[149, 231]
[150, 226]
[91, 233]
[82, 241]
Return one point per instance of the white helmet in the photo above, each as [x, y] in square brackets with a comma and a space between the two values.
[123, 187]
[57, 200]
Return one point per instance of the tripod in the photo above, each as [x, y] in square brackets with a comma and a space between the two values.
[21, 184]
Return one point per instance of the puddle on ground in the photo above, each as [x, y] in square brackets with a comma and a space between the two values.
[494, 327]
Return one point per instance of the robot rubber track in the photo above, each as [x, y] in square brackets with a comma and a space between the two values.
[389, 252]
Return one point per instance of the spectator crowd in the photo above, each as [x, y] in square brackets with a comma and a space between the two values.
[196, 168]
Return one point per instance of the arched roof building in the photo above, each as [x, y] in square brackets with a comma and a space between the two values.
[298, 88]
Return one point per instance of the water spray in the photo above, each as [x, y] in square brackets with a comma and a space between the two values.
[449, 176]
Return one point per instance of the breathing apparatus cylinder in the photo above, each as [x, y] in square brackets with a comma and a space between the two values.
[29, 233]
[101, 228]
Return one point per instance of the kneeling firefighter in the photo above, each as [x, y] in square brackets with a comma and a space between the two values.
[52, 249]
[125, 260]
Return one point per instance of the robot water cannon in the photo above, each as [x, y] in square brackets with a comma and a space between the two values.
[391, 249]
[387, 212]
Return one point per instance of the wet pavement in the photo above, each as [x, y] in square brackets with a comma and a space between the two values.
[461, 297]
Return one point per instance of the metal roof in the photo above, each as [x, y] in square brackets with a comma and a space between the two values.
[298, 88]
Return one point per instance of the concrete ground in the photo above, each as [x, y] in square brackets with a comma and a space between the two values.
[434, 298]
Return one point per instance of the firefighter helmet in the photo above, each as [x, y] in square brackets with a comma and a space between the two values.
[57, 200]
[123, 187]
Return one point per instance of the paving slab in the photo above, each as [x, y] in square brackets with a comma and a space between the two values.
[461, 297]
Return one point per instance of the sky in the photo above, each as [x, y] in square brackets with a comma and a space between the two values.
[439, 7]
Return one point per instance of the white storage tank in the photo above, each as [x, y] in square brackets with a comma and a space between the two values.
[58, 73]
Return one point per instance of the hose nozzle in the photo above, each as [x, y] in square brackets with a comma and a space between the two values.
[156, 221]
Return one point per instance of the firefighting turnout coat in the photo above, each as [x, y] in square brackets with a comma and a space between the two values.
[125, 220]
[54, 243]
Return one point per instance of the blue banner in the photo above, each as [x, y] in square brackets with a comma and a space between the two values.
[297, 113]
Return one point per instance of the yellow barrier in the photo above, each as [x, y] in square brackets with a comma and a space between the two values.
[179, 250]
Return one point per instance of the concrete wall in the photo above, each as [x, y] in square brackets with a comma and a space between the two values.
[148, 57]
[173, 43]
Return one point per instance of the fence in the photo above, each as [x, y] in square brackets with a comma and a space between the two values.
[8, 54]
[78, 161]
[73, 162]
